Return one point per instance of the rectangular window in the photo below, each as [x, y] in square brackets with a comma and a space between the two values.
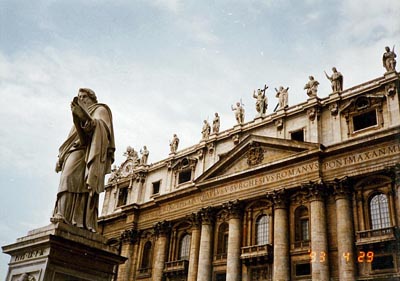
[297, 135]
[122, 196]
[382, 262]
[364, 120]
[185, 176]
[302, 269]
[220, 277]
[156, 187]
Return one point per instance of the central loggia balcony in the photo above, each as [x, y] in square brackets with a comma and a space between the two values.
[257, 253]
[176, 267]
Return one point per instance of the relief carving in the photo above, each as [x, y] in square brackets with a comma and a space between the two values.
[255, 155]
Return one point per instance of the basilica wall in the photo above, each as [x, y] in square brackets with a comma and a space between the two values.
[308, 192]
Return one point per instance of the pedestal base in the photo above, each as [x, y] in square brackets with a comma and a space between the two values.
[60, 252]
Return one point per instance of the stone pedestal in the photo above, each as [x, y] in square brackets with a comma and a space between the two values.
[59, 252]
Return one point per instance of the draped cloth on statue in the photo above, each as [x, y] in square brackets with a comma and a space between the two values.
[84, 168]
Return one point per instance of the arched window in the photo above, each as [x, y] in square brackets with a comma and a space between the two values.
[262, 230]
[302, 232]
[184, 247]
[379, 210]
[146, 258]
[223, 233]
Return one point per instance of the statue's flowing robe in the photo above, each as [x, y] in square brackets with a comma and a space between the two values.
[84, 168]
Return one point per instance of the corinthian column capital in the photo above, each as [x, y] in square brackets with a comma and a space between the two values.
[207, 215]
[234, 208]
[279, 198]
[342, 188]
[162, 228]
[317, 191]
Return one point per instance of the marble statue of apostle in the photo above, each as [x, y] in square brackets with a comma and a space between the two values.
[261, 100]
[336, 80]
[311, 87]
[145, 155]
[239, 112]
[206, 130]
[282, 95]
[84, 159]
[216, 124]
[173, 145]
[389, 59]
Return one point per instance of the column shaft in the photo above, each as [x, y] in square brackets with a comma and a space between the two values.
[281, 268]
[194, 254]
[345, 238]
[205, 254]
[233, 263]
[319, 241]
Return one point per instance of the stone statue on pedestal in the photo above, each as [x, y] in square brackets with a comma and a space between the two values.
[261, 100]
[206, 130]
[336, 80]
[173, 144]
[389, 59]
[216, 124]
[283, 96]
[84, 159]
[239, 112]
[145, 155]
[311, 87]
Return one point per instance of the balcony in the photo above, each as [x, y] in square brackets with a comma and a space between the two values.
[376, 235]
[257, 254]
[144, 272]
[301, 246]
[178, 267]
[220, 259]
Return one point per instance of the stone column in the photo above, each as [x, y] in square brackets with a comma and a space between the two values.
[162, 230]
[233, 263]
[281, 267]
[319, 238]
[345, 230]
[194, 247]
[395, 175]
[206, 239]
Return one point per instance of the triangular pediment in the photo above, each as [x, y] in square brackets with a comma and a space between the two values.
[256, 152]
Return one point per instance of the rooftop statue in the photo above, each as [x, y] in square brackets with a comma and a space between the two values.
[84, 159]
[283, 96]
[206, 130]
[389, 59]
[145, 155]
[336, 80]
[311, 87]
[261, 100]
[216, 124]
[239, 112]
[173, 144]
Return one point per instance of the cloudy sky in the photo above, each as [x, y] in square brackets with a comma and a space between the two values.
[162, 66]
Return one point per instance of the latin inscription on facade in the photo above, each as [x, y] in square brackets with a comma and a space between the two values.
[356, 158]
[264, 179]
